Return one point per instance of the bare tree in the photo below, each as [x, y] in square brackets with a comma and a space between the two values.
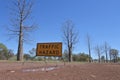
[106, 49]
[21, 10]
[70, 37]
[89, 46]
[99, 51]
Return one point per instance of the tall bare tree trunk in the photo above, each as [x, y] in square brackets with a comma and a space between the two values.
[70, 54]
[110, 57]
[89, 47]
[106, 52]
[99, 59]
[20, 44]
[98, 51]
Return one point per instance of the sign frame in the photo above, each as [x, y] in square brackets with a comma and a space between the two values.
[49, 49]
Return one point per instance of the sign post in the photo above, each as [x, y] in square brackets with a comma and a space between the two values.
[49, 49]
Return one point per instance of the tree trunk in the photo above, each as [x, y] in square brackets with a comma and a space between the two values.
[70, 55]
[89, 55]
[89, 47]
[106, 52]
[106, 57]
[20, 44]
[20, 49]
[99, 60]
[110, 57]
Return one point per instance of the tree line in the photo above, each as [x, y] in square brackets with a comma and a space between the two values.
[8, 54]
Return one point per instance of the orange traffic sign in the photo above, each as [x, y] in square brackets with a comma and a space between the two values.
[49, 49]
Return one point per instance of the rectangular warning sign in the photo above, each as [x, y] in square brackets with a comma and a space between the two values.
[49, 49]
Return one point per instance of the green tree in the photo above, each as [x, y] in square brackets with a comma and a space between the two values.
[81, 57]
[3, 51]
[114, 55]
[102, 58]
[32, 53]
[118, 58]
[84, 57]
[75, 57]
[33, 56]
[9, 54]
[27, 56]
[65, 55]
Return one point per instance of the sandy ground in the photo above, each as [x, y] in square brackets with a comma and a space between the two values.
[71, 71]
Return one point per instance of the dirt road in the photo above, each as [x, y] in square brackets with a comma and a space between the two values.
[71, 71]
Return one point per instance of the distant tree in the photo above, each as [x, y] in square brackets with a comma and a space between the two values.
[9, 54]
[103, 58]
[65, 55]
[27, 56]
[21, 10]
[75, 57]
[95, 60]
[32, 53]
[114, 55]
[106, 50]
[70, 37]
[81, 57]
[99, 51]
[3, 51]
[89, 47]
[33, 56]
[84, 57]
[110, 55]
[118, 58]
